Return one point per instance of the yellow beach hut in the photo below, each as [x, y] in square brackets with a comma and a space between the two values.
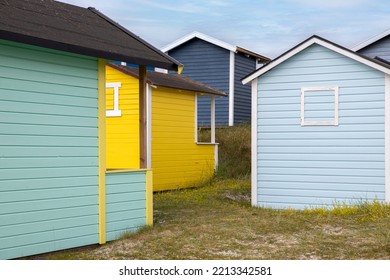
[174, 153]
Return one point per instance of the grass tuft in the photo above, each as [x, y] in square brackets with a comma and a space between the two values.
[234, 150]
[362, 210]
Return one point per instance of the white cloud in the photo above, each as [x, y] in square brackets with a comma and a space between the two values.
[331, 3]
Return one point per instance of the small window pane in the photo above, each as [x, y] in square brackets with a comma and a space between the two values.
[319, 106]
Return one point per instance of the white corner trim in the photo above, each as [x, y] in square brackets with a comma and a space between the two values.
[335, 121]
[308, 43]
[387, 138]
[115, 112]
[216, 161]
[212, 118]
[254, 144]
[148, 126]
[231, 88]
[201, 36]
[196, 119]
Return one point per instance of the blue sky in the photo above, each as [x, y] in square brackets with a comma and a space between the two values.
[268, 27]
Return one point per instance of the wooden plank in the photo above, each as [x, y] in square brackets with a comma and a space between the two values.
[142, 116]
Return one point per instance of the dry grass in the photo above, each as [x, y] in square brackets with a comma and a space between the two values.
[234, 150]
[217, 222]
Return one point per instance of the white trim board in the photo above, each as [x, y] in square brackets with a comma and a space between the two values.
[201, 36]
[115, 112]
[196, 118]
[231, 88]
[370, 41]
[322, 42]
[387, 138]
[149, 125]
[254, 144]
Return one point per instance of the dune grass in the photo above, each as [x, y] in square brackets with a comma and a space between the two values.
[217, 222]
[234, 150]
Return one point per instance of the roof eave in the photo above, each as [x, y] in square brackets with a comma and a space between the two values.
[175, 65]
[31, 40]
[370, 41]
[255, 55]
[201, 36]
[320, 41]
[150, 80]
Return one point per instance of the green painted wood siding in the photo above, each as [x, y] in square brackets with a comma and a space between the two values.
[126, 202]
[48, 150]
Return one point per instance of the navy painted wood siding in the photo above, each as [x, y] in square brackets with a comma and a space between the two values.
[209, 64]
[380, 48]
[242, 93]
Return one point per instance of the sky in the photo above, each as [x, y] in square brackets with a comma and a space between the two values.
[267, 27]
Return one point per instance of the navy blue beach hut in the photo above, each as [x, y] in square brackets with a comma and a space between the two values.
[221, 65]
[320, 128]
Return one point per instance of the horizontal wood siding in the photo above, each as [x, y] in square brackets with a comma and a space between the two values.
[125, 202]
[208, 64]
[177, 161]
[122, 133]
[318, 165]
[48, 150]
[242, 93]
[380, 48]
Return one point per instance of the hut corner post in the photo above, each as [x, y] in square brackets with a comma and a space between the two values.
[102, 148]
[142, 116]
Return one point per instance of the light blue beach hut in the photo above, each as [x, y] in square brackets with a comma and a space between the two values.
[320, 128]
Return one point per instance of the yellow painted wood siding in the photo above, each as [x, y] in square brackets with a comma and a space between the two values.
[177, 161]
[123, 131]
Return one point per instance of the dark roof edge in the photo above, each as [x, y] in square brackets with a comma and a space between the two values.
[382, 60]
[212, 91]
[50, 44]
[256, 55]
[386, 65]
[130, 73]
[379, 62]
[175, 64]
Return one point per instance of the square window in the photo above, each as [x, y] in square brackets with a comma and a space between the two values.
[320, 106]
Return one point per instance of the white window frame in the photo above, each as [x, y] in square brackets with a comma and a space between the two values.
[212, 120]
[115, 112]
[305, 90]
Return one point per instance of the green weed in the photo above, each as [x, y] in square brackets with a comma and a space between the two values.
[234, 150]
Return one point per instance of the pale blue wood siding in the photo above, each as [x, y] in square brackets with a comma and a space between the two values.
[380, 48]
[48, 150]
[317, 165]
[209, 64]
[126, 202]
[242, 93]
